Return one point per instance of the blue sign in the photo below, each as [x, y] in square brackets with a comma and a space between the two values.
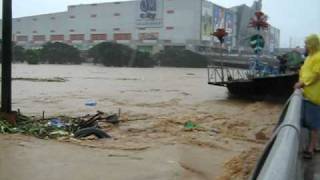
[149, 13]
[149, 7]
[229, 26]
[218, 17]
[229, 20]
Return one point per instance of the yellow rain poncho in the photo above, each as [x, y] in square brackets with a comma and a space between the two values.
[310, 71]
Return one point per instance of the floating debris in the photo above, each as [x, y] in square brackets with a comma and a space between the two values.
[91, 103]
[189, 126]
[261, 136]
[55, 79]
[127, 79]
[85, 132]
[5, 127]
[63, 126]
[56, 122]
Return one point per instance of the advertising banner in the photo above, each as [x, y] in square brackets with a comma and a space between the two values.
[149, 36]
[229, 19]
[206, 20]
[218, 17]
[229, 26]
[149, 13]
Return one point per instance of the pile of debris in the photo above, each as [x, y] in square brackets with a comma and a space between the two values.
[61, 126]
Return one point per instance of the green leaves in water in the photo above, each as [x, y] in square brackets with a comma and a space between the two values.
[5, 127]
[190, 125]
[36, 128]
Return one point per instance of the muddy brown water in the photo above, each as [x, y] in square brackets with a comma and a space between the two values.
[136, 89]
[150, 142]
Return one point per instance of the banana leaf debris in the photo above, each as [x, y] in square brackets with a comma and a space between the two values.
[62, 126]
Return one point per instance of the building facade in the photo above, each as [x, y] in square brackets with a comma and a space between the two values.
[244, 14]
[149, 25]
[136, 23]
[214, 17]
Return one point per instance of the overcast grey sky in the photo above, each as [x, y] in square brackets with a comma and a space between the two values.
[295, 18]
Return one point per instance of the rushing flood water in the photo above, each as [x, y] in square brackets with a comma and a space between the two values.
[155, 104]
[133, 89]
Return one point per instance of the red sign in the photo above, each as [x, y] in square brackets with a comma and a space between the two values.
[56, 37]
[39, 38]
[122, 36]
[76, 37]
[98, 37]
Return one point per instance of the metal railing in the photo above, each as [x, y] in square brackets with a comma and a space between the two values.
[220, 74]
[281, 159]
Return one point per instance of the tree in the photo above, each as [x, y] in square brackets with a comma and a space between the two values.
[60, 53]
[111, 54]
[18, 54]
[32, 56]
[176, 57]
[143, 59]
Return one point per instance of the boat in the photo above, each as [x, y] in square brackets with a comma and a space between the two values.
[261, 79]
[251, 83]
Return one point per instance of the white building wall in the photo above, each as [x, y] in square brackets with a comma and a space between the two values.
[179, 27]
[185, 20]
[39, 25]
[106, 21]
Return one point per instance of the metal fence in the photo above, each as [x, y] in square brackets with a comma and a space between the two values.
[281, 159]
[220, 74]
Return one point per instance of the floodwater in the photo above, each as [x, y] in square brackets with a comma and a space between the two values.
[151, 141]
[160, 90]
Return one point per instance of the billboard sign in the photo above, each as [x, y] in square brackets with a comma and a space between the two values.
[230, 26]
[149, 36]
[229, 20]
[149, 13]
[218, 17]
[206, 20]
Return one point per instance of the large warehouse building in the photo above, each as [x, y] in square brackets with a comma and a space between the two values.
[149, 25]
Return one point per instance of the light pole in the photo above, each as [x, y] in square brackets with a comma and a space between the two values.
[221, 33]
[6, 60]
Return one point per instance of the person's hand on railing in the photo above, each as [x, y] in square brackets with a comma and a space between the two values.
[299, 85]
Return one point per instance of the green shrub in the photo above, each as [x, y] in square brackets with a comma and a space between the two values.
[32, 56]
[111, 54]
[174, 57]
[143, 59]
[18, 54]
[60, 53]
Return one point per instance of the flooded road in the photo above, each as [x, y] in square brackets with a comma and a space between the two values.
[151, 141]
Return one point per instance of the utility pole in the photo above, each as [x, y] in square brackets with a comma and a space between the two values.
[6, 56]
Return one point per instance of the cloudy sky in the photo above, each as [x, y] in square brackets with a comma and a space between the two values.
[295, 18]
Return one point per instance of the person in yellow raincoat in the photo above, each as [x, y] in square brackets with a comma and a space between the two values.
[309, 81]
